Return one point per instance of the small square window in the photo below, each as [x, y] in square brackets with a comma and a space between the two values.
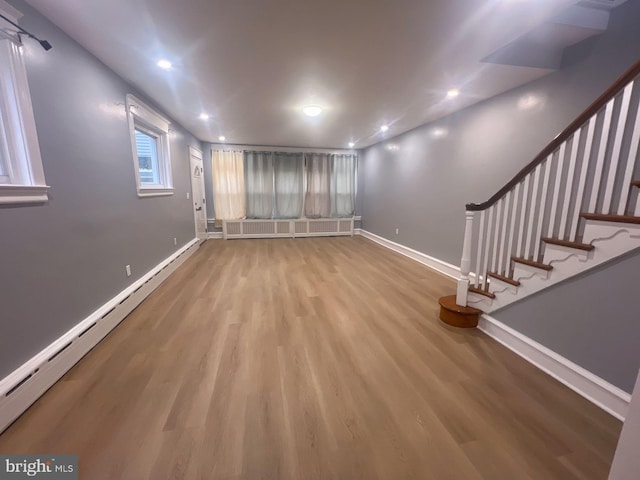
[150, 145]
[147, 148]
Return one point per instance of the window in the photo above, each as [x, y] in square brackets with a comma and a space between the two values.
[150, 145]
[147, 147]
[21, 173]
[272, 184]
[4, 175]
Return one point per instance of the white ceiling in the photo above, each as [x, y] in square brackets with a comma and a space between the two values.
[252, 64]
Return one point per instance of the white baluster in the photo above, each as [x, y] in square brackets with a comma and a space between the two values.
[569, 186]
[617, 145]
[575, 217]
[534, 201]
[485, 264]
[480, 243]
[523, 217]
[631, 163]
[503, 239]
[496, 236]
[465, 263]
[602, 150]
[543, 203]
[556, 190]
[512, 226]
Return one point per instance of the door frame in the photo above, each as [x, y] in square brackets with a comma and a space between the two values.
[194, 152]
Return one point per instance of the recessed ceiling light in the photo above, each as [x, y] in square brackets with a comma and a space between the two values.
[453, 93]
[351, 144]
[384, 128]
[312, 110]
[204, 116]
[164, 64]
[222, 138]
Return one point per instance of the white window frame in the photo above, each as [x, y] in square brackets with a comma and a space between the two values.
[18, 137]
[144, 118]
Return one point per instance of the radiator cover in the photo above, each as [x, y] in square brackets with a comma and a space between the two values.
[299, 227]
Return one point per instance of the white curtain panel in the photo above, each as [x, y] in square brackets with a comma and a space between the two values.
[318, 198]
[258, 176]
[343, 185]
[289, 182]
[228, 184]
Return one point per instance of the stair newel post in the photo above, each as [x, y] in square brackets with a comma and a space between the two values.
[465, 263]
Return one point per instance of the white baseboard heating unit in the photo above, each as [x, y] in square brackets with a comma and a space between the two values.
[299, 227]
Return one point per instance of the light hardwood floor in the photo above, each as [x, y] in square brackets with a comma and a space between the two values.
[310, 359]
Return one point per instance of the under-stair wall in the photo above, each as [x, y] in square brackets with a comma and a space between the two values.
[590, 319]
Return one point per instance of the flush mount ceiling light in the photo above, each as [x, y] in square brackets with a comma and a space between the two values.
[352, 144]
[384, 128]
[204, 116]
[453, 93]
[222, 138]
[312, 110]
[440, 132]
[164, 64]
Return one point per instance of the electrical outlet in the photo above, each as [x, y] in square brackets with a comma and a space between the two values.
[188, 195]
[127, 268]
[175, 241]
[397, 231]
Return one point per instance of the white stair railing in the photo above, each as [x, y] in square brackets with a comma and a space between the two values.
[588, 168]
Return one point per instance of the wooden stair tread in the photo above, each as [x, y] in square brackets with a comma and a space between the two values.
[611, 218]
[504, 279]
[479, 291]
[635, 183]
[531, 263]
[566, 243]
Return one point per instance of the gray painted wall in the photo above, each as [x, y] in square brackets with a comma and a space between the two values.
[62, 260]
[591, 319]
[422, 188]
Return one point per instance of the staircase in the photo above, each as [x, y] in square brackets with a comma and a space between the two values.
[575, 206]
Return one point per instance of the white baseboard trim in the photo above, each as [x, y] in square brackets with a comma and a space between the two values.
[598, 391]
[211, 235]
[27, 383]
[431, 262]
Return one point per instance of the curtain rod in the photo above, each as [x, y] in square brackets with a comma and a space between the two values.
[275, 152]
[271, 148]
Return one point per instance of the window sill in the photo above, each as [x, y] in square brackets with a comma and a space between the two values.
[20, 194]
[154, 192]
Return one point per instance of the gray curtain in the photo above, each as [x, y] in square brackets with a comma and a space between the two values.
[289, 182]
[258, 174]
[318, 197]
[343, 185]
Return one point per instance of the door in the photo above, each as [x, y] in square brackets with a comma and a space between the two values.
[197, 193]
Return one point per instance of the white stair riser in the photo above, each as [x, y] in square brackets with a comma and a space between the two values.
[610, 240]
[554, 253]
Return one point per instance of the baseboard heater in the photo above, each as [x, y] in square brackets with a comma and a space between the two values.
[299, 227]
